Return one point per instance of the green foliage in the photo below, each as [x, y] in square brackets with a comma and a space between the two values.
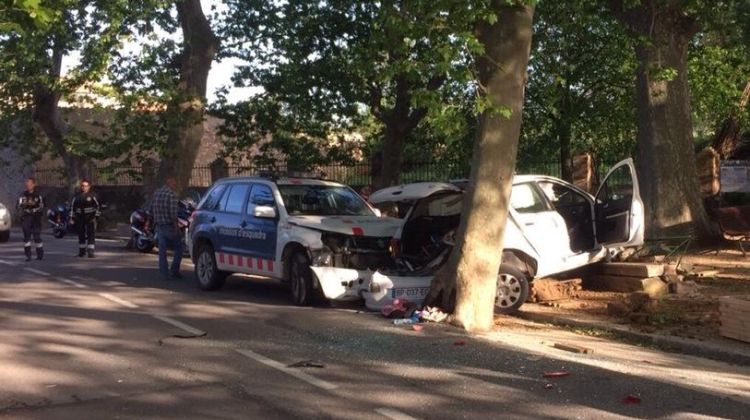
[92, 30]
[580, 84]
[327, 68]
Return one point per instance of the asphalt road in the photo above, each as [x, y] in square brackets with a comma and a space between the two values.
[106, 338]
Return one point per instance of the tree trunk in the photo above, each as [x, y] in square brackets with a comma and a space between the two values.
[474, 263]
[47, 115]
[186, 111]
[563, 130]
[399, 123]
[666, 151]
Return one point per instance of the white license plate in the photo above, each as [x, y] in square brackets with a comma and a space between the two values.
[409, 292]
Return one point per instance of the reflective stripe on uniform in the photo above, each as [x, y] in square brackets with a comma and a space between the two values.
[82, 246]
[91, 247]
[39, 245]
[27, 244]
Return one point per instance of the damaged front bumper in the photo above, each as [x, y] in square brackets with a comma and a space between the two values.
[376, 288]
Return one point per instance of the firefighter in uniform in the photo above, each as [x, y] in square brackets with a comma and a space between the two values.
[85, 210]
[30, 205]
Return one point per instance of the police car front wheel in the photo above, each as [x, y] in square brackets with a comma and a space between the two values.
[208, 275]
[300, 278]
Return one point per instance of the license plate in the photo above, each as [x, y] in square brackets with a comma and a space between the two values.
[409, 292]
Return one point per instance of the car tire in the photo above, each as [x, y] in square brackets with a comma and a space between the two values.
[300, 279]
[512, 289]
[207, 273]
[5, 236]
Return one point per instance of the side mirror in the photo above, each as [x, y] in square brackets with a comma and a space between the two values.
[264, 212]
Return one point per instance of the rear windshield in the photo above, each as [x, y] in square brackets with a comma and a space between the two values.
[323, 200]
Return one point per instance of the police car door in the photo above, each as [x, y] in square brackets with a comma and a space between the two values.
[229, 223]
[260, 227]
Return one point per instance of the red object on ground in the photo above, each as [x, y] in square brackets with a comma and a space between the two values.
[556, 374]
[631, 399]
[459, 343]
[417, 327]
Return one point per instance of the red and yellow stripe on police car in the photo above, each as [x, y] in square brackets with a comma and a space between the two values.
[243, 264]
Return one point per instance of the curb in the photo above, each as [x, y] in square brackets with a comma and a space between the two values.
[668, 343]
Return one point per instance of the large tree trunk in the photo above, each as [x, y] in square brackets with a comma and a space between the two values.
[666, 151]
[474, 263]
[186, 111]
[47, 115]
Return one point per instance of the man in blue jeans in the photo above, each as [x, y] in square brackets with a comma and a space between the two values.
[164, 208]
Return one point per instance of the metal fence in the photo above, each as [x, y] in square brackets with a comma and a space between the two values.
[356, 175]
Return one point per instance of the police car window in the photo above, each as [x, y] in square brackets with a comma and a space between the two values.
[524, 198]
[236, 198]
[213, 197]
[323, 200]
[261, 195]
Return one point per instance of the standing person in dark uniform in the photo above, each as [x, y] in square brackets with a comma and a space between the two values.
[85, 209]
[30, 205]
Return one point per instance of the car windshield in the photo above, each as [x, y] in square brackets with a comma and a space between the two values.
[323, 200]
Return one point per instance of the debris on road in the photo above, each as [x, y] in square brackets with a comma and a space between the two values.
[557, 374]
[417, 327]
[631, 399]
[399, 309]
[459, 343]
[307, 364]
[549, 386]
[433, 314]
[573, 348]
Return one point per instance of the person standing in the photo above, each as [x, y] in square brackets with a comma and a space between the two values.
[164, 208]
[86, 209]
[30, 205]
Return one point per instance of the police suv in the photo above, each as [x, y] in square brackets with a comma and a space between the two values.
[319, 237]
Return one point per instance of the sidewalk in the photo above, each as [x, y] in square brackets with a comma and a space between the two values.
[724, 350]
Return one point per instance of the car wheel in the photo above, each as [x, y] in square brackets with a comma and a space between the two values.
[208, 274]
[512, 289]
[5, 236]
[300, 278]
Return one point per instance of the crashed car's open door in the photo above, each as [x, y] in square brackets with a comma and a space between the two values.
[618, 208]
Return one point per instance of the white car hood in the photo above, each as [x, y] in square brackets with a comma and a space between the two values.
[410, 192]
[350, 225]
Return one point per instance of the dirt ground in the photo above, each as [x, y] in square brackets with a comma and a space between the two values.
[692, 312]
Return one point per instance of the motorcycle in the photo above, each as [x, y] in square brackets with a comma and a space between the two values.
[144, 235]
[58, 219]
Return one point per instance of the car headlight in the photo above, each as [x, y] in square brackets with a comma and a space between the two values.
[3, 212]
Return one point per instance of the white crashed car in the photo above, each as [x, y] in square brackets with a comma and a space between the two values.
[552, 227]
[4, 223]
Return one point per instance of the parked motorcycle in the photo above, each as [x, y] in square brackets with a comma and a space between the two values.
[143, 230]
[58, 220]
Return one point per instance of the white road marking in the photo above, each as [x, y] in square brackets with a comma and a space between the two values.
[115, 299]
[10, 263]
[181, 325]
[289, 371]
[35, 271]
[73, 283]
[393, 414]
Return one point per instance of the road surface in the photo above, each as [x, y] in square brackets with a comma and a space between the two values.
[106, 338]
